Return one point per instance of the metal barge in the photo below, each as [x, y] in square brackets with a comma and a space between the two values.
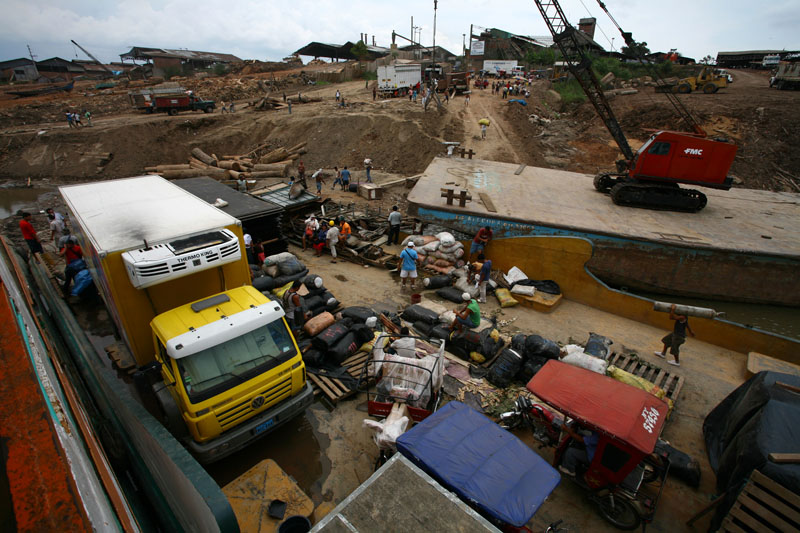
[745, 246]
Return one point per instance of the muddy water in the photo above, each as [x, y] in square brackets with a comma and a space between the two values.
[772, 318]
[14, 198]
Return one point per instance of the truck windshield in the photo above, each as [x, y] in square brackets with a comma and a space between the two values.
[221, 367]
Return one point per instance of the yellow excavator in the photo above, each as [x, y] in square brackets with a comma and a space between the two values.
[707, 80]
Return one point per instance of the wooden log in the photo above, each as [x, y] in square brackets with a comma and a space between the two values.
[160, 168]
[204, 157]
[232, 165]
[270, 166]
[260, 174]
[273, 156]
[188, 173]
[298, 147]
[197, 162]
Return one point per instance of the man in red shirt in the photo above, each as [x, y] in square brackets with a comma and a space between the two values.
[29, 234]
[71, 253]
[480, 241]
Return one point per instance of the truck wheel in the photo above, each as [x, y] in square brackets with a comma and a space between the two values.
[172, 112]
[710, 88]
[170, 414]
[208, 109]
[684, 88]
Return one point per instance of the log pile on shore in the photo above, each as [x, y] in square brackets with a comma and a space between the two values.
[259, 163]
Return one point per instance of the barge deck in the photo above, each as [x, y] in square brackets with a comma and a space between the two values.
[745, 246]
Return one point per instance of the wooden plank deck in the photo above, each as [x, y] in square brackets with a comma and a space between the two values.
[669, 382]
[763, 505]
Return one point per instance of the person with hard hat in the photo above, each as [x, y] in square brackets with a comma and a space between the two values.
[408, 269]
[333, 239]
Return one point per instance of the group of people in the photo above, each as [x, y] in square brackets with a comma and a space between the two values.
[61, 237]
[320, 235]
[508, 89]
[224, 108]
[341, 178]
[74, 118]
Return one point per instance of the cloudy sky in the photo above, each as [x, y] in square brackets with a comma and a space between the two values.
[270, 30]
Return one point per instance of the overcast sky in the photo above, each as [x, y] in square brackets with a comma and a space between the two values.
[272, 30]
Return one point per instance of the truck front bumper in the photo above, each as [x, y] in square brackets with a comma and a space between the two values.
[237, 438]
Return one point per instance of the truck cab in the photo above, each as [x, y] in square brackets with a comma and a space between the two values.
[227, 364]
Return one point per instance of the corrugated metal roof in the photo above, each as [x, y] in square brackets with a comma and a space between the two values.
[141, 52]
[242, 206]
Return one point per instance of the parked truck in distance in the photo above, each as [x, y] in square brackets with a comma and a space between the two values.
[214, 353]
[169, 100]
[788, 74]
[398, 79]
[499, 68]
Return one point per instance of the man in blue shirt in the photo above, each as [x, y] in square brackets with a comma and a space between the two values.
[345, 179]
[409, 267]
[575, 456]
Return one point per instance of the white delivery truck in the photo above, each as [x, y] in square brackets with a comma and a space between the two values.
[497, 67]
[398, 79]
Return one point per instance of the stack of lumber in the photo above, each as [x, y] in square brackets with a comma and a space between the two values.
[272, 164]
[268, 102]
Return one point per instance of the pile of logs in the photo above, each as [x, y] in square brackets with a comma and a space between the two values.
[269, 102]
[272, 164]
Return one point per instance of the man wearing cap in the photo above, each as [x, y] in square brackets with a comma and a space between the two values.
[333, 239]
[409, 267]
[469, 317]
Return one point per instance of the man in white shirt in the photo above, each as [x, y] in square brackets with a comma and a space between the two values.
[333, 239]
[394, 225]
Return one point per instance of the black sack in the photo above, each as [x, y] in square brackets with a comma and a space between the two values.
[325, 340]
[530, 368]
[598, 346]
[423, 328]
[518, 343]
[264, 283]
[505, 367]
[489, 346]
[313, 358]
[344, 348]
[538, 346]
[417, 313]
[362, 332]
[358, 313]
[439, 332]
[450, 293]
[437, 282]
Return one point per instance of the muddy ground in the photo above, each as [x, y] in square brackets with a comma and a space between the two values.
[396, 133]
[330, 453]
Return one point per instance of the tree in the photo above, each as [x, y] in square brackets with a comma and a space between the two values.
[541, 56]
[360, 51]
[635, 50]
[708, 60]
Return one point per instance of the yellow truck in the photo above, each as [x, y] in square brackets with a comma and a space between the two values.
[216, 353]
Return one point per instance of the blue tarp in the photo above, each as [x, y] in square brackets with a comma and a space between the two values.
[485, 465]
[519, 101]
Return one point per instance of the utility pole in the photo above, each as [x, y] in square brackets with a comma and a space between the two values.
[433, 52]
[464, 45]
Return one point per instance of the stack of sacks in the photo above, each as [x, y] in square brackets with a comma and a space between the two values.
[319, 299]
[337, 341]
[440, 253]
[536, 350]
[278, 270]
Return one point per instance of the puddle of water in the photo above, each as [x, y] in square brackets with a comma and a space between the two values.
[13, 199]
[296, 448]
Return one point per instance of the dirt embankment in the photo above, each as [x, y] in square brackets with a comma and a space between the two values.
[398, 135]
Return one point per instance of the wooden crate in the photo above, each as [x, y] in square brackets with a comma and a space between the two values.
[669, 382]
[335, 389]
[763, 505]
[540, 301]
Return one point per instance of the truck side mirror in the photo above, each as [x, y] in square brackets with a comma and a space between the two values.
[147, 374]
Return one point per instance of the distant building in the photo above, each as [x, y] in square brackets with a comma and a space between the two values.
[21, 69]
[56, 69]
[178, 61]
[748, 58]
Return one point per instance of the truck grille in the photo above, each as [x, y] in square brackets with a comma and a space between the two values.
[229, 249]
[243, 410]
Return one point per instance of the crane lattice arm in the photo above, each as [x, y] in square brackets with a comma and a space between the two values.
[580, 65]
[85, 51]
[687, 117]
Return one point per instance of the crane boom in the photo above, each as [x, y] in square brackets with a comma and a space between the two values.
[580, 65]
[687, 117]
[85, 51]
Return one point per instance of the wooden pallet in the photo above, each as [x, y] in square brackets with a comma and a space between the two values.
[763, 505]
[121, 357]
[669, 382]
[334, 389]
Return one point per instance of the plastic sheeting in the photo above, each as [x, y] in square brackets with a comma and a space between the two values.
[482, 463]
[749, 424]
